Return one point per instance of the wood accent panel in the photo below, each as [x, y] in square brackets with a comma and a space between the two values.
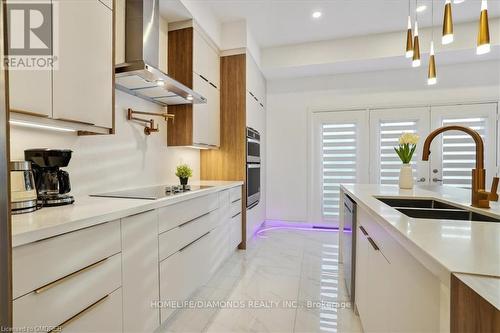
[180, 55]
[180, 130]
[180, 67]
[5, 219]
[229, 162]
[470, 312]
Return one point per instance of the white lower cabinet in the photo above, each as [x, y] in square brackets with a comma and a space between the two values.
[109, 277]
[183, 272]
[57, 303]
[140, 272]
[105, 315]
[394, 292]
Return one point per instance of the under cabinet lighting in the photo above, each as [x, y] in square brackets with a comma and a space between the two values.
[39, 126]
[189, 97]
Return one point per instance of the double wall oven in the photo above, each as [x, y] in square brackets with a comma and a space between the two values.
[253, 167]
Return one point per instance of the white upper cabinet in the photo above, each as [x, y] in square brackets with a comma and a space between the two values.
[206, 61]
[30, 91]
[256, 83]
[83, 83]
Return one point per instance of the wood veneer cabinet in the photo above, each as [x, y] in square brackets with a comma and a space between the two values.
[229, 161]
[470, 312]
[194, 61]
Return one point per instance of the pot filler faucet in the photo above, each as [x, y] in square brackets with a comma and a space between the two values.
[480, 198]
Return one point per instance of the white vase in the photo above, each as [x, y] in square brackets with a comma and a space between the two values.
[406, 177]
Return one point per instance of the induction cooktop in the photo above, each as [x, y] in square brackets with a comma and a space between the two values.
[151, 193]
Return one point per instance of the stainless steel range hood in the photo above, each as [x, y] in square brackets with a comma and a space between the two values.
[140, 75]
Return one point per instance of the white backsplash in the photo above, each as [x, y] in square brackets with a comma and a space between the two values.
[107, 162]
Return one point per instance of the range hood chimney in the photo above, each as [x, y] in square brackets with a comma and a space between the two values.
[140, 74]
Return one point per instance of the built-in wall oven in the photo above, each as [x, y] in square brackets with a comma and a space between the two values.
[253, 167]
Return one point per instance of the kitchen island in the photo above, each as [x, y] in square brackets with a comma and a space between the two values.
[404, 253]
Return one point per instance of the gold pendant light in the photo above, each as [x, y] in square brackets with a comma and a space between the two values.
[409, 35]
[483, 36]
[447, 24]
[431, 74]
[409, 40]
[416, 48]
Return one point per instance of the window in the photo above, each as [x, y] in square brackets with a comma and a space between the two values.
[390, 164]
[459, 151]
[339, 146]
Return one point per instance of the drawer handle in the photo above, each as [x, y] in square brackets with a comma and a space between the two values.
[235, 215]
[363, 230]
[204, 78]
[199, 217]
[67, 277]
[60, 327]
[374, 245]
[239, 199]
[193, 242]
[213, 85]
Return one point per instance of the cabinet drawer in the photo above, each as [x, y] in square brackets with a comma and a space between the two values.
[184, 272]
[37, 264]
[224, 198]
[235, 232]
[173, 240]
[235, 208]
[235, 193]
[60, 301]
[103, 316]
[378, 234]
[175, 215]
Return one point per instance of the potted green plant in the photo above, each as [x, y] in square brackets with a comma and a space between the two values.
[184, 172]
[405, 150]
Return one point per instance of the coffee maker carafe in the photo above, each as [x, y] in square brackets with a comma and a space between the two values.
[52, 183]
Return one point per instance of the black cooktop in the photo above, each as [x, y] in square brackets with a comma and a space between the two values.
[151, 193]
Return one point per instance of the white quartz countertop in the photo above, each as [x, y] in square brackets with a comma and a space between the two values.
[471, 248]
[88, 211]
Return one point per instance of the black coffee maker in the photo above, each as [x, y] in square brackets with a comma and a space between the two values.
[52, 183]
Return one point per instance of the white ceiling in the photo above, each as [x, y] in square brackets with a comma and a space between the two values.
[281, 22]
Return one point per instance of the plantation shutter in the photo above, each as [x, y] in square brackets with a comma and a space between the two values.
[390, 163]
[459, 151]
[339, 151]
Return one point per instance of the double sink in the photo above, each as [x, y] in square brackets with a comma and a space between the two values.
[434, 209]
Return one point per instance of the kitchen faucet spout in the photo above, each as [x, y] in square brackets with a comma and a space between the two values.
[480, 198]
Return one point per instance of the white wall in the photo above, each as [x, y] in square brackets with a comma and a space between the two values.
[290, 101]
[125, 160]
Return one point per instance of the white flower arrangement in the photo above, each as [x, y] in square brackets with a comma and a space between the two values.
[407, 145]
[409, 138]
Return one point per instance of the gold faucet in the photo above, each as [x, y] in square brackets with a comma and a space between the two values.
[480, 198]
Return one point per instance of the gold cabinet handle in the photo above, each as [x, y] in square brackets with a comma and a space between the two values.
[80, 314]
[67, 277]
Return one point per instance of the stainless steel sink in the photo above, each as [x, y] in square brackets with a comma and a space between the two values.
[434, 209]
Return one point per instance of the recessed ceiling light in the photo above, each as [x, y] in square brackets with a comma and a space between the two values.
[421, 8]
[317, 15]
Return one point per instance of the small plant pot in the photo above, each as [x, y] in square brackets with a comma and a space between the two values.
[184, 181]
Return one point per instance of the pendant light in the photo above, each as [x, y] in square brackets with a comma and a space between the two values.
[409, 35]
[483, 36]
[431, 75]
[416, 46]
[447, 24]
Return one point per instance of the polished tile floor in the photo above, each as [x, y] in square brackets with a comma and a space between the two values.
[288, 280]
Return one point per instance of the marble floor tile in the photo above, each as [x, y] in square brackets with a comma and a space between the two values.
[287, 281]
